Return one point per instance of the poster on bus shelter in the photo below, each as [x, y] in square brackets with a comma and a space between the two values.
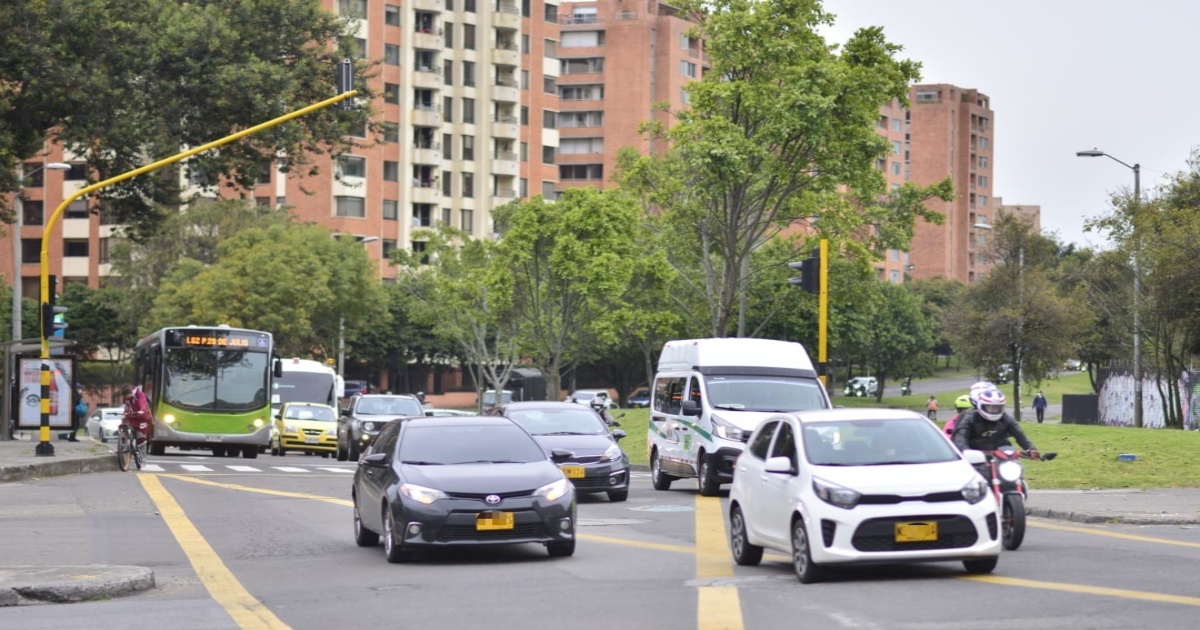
[61, 403]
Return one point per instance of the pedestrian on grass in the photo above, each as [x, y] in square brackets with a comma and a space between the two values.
[1039, 405]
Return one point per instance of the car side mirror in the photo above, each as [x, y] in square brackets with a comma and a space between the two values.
[689, 408]
[618, 434]
[781, 465]
[559, 455]
[974, 457]
[374, 459]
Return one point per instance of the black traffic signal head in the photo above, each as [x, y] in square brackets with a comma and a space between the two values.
[810, 274]
[53, 323]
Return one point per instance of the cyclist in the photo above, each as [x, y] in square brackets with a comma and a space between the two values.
[137, 413]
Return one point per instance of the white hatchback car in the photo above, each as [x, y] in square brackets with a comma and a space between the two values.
[102, 423]
[843, 486]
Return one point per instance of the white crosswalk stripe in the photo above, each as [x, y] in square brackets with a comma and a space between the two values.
[167, 466]
[244, 468]
[196, 468]
[339, 470]
[291, 469]
[152, 468]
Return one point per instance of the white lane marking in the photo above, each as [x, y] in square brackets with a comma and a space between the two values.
[196, 468]
[290, 469]
[338, 470]
[152, 468]
[244, 468]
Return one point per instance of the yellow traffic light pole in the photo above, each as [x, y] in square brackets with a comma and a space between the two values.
[823, 315]
[44, 446]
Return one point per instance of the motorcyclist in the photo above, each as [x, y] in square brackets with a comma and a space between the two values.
[906, 386]
[987, 427]
[600, 406]
[961, 405]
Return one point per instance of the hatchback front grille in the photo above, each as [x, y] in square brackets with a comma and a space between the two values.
[879, 534]
[482, 495]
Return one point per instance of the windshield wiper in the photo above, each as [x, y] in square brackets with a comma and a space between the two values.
[731, 407]
[417, 462]
[492, 461]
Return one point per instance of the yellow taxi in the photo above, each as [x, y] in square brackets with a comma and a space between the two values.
[304, 426]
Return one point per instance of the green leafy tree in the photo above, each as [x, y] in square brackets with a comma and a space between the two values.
[780, 133]
[901, 335]
[1102, 280]
[938, 295]
[122, 84]
[409, 349]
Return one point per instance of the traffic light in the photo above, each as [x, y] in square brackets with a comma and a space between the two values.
[810, 272]
[53, 321]
[345, 82]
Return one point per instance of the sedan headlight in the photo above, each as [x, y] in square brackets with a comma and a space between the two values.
[975, 491]
[289, 429]
[612, 453]
[421, 494]
[728, 430]
[1010, 471]
[836, 495]
[554, 491]
[331, 432]
[368, 426]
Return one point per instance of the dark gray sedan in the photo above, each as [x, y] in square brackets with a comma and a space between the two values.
[597, 463]
[435, 482]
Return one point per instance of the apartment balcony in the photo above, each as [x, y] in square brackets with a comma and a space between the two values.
[424, 115]
[434, 6]
[506, 127]
[429, 78]
[501, 196]
[506, 54]
[507, 16]
[428, 39]
[569, 19]
[506, 91]
[506, 163]
[431, 155]
[427, 193]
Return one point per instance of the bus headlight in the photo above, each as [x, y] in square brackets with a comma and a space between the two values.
[258, 422]
[169, 418]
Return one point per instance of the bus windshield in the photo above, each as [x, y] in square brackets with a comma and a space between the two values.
[304, 387]
[217, 380]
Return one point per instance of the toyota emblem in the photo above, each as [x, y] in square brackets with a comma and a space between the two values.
[492, 499]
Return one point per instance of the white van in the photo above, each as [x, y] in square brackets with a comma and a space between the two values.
[710, 394]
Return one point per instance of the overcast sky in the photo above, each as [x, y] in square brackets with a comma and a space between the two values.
[1062, 75]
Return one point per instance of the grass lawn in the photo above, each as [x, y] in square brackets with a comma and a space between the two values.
[1066, 383]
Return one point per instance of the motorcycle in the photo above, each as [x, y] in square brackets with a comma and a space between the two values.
[905, 389]
[1010, 490]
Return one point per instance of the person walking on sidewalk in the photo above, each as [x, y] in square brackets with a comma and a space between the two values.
[1039, 405]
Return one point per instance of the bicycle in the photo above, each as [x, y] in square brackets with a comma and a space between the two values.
[128, 448]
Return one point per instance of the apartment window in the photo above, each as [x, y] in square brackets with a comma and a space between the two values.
[684, 96]
[75, 247]
[895, 146]
[581, 39]
[466, 220]
[448, 72]
[687, 69]
[360, 48]
[468, 185]
[549, 48]
[391, 93]
[78, 171]
[447, 190]
[547, 155]
[524, 188]
[449, 5]
[448, 29]
[418, 247]
[982, 201]
[580, 119]
[549, 119]
[391, 15]
[551, 14]
[391, 209]
[882, 124]
[469, 73]
[32, 212]
[983, 162]
[548, 192]
[983, 180]
[895, 168]
[448, 108]
[983, 142]
[422, 215]
[35, 177]
[351, 207]
[391, 132]
[583, 65]
[928, 96]
[524, 79]
[468, 148]
[549, 86]
[591, 92]
[77, 210]
[352, 166]
[262, 202]
[103, 256]
[525, 44]
[896, 124]
[355, 8]
[389, 246]
[446, 214]
[391, 171]
[581, 171]
[447, 144]
[524, 151]
[581, 146]
[524, 115]
[469, 36]
[391, 54]
[469, 6]
[468, 111]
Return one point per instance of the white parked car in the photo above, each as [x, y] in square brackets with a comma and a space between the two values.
[585, 396]
[103, 422]
[848, 486]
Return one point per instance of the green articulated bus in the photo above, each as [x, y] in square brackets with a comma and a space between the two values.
[208, 388]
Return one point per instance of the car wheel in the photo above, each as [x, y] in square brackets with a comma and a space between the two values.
[363, 537]
[561, 549]
[744, 553]
[250, 452]
[659, 478]
[341, 455]
[707, 479]
[218, 451]
[1012, 521]
[806, 570]
[982, 565]
[157, 450]
[353, 453]
[616, 496]
[396, 553]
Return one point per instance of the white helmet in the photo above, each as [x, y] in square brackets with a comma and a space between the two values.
[597, 403]
[978, 388]
[991, 404]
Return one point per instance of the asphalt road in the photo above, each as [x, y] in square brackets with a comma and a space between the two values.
[272, 548]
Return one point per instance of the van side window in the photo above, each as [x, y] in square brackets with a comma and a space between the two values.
[694, 390]
[762, 441]
[668, 392]
[785, 443]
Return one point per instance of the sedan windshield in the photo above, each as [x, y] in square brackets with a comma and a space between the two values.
[389, 406]
[764, 393]
[309, 412]
[876, 443]
[457, 444]
[578, 421]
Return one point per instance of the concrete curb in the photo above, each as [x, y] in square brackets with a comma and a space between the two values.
[1123, 519]
[56, 468]
[59, 585]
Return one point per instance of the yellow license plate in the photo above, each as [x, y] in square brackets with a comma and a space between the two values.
[573, 472]
[916, 532]
[493, 520]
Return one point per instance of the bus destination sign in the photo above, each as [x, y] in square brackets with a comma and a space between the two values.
[217, 339]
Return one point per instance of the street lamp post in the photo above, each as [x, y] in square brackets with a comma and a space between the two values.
[341, 359]
[1137, 284]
